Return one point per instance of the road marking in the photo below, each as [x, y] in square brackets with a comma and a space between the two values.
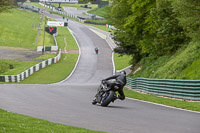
[98, 33]
[163, 105]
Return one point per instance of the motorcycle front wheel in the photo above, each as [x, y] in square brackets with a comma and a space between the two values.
[107, 98]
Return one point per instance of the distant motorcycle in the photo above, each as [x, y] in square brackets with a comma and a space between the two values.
[96, 50]
[105, 94]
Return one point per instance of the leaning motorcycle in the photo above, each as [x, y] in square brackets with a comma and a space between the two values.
[106, 94]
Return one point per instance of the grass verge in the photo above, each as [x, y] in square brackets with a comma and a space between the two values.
[65, 39]
[16, 123]
[103, 12]
[55, 72]
[121, 61]
[194, 106]
[13, 67]
[15, 32]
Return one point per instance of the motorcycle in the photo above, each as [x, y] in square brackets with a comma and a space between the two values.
[106, 94]
[96, 50]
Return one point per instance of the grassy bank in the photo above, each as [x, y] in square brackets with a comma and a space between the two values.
[103, 12]
[19, 33]
[195, 106]
[54, 73]
[184, 64]
[16, 123]
[121, 61]
[15, 32]
[12, 67]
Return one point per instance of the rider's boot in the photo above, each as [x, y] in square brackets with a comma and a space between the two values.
[94, 102]
[114, 98]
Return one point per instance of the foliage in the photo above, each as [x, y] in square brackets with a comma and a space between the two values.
[162, 34]
[182, 65]
[154, 27]
[128, 16]
[6, 5]
[189, 16]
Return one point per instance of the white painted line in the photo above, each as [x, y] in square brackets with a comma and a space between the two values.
[76, 61]
[163, 105]
[124, 68]
[113, 62]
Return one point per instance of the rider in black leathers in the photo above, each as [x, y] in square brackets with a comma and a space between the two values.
[120, 80]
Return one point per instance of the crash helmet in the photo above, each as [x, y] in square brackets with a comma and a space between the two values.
[123, 72]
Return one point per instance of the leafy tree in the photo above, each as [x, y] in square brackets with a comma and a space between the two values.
[128, 16]
[162, 34]
[189, 16]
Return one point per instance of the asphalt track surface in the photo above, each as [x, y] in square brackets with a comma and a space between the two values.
[69, 102]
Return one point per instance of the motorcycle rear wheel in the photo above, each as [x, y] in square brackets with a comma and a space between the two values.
[107, 98]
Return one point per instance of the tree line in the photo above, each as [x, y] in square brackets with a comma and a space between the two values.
[154, 27]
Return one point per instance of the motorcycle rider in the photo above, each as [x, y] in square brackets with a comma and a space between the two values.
[97, 50]
[120, 80]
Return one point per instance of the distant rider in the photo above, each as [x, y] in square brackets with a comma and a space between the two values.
[97, 50]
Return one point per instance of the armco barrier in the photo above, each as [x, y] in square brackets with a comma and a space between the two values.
[183, 89]
[30, 71]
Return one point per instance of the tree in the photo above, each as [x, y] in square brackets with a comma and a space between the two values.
[162, 34]
[188, 16]
[128, 16]
[6, 4]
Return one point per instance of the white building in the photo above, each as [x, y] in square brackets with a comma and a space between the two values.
[60, 1]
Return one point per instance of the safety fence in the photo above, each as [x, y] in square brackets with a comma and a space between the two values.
[30, 71]
[182, 89]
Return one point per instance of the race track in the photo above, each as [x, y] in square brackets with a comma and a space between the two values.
[69, 102]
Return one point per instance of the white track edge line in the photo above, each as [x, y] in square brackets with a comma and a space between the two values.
[163, 105]
[76, 61]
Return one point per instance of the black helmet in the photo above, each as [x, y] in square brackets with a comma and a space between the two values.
[124, 72]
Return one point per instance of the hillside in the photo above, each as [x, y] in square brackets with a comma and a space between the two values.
[184, 64]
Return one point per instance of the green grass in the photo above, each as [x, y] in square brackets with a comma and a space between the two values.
[46, 56]
[59, 71]
[184, 64]
[195, 106]
[101, 27]
[13, 67]
[121, 61]
[36, 4]
[191, 72]
[48, 40]
[64, 34]
[15, 32]
[16, 123]
[98, 21]
[76, 5]
[103, 12]
[55, 72]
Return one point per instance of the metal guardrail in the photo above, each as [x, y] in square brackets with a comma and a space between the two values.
[183, 89]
